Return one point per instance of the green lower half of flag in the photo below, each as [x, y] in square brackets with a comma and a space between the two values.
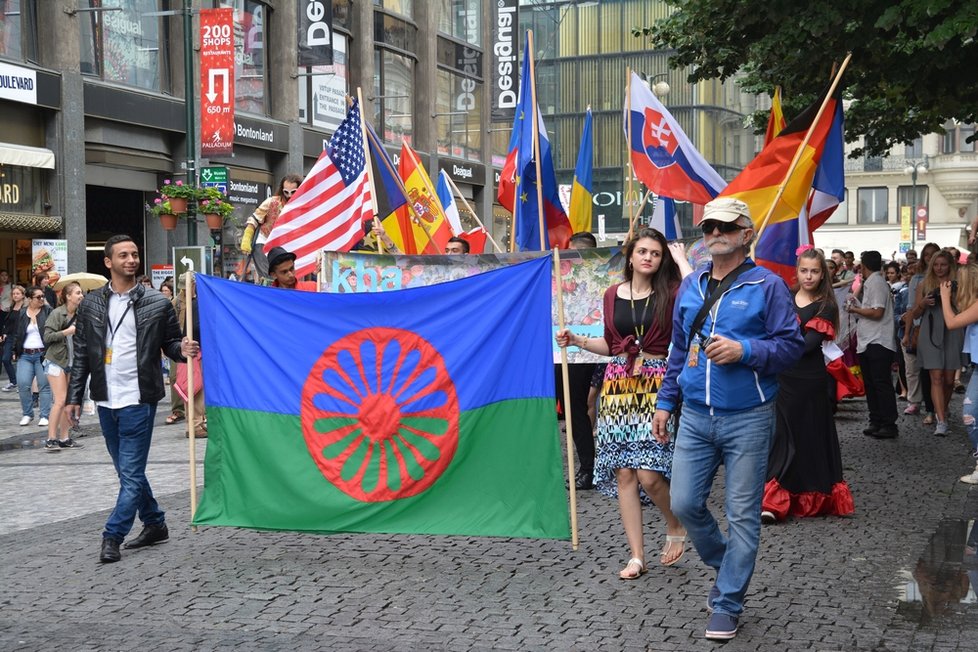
[504, 477]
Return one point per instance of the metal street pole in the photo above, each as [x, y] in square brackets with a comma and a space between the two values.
[188, 74]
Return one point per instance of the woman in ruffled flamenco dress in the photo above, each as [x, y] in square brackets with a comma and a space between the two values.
[805, 466]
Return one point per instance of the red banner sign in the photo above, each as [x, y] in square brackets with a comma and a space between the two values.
[216, 81]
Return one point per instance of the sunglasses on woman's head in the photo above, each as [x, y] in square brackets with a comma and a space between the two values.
[289, 193]
[725, 227]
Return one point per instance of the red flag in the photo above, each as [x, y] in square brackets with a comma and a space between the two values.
[332, 202]
[477, 239]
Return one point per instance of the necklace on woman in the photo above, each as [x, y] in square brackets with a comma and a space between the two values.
[638, 325]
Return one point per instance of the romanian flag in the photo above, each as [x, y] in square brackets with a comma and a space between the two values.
[757, 185]
[392, 412]
[422, 195]
[581, 203]
[518, 180]
[392, 204]
[775, 120]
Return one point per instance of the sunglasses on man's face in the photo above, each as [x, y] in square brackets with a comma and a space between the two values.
[725, 227]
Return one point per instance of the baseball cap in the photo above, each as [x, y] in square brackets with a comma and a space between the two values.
[277, 256]
[725, 209]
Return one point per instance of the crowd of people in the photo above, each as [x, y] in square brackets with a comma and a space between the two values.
[725, 365]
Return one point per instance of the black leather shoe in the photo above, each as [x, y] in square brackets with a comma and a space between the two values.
[151, 535]
[585, 481]
[110, 551]
[871, 430]
[885, 432]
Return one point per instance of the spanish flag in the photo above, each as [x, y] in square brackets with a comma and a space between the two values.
[422, 195]
[757, 185]
[581, 192]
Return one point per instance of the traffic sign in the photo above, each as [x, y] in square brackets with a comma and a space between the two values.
[214, 174]
[195, 259]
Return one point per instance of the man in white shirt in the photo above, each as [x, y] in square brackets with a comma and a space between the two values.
[120, 331]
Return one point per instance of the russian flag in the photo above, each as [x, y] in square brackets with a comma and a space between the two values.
[663, 158]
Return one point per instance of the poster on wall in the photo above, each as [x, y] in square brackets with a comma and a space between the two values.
[329, 88]
[159, 273]
[49, 256]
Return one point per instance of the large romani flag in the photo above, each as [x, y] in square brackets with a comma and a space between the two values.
[392, 412]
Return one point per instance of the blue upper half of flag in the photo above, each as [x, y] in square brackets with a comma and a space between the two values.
[346, 146]
[493, 332]
[387, 172]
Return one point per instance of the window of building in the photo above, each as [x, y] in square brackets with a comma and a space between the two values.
[907, 201]
[872, 164]
[250, 55]
[127, 46]
[841, 214]
[914, 149]
[18, 29]
[949, 146]
[402, 7]
[322, 95]
[964, 133]
[394, 96]
[872, 208]
[458, 116]
[461, 19]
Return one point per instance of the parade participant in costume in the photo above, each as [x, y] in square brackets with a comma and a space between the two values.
[263, 220]
[804, 468]
[637, 329]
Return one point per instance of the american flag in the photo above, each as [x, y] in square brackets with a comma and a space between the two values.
[332, 202]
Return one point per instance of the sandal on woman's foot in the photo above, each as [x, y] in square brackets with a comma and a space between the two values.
[633, 570]
[174, 418]
[671, 541]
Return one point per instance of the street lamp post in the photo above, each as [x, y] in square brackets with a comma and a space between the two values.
[188, 100]
[913, 169]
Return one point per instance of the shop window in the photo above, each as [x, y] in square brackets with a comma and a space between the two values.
[461, 19]
[250, 55]
[20, 190]
[18, 29]
[458, 116]
[394, 96]
[125, 46]
[872, 207]
[322, 94]
[402, 7]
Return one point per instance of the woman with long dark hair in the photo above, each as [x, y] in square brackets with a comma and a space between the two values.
[637, 331]
[805, 464]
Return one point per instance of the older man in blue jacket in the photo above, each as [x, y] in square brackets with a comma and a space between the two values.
[734, 330]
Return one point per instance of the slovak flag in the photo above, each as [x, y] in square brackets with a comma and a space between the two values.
[663, 158]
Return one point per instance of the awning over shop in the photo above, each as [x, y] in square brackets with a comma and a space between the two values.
[24, 156]
[25, 222]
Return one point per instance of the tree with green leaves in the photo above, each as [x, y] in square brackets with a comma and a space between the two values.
[914, 64]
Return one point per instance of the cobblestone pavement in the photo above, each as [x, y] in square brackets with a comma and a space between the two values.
[878, 581]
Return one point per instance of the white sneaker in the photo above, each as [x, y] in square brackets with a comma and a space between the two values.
[8, 387]
[971, 478]
[42, 422]
[26, 420]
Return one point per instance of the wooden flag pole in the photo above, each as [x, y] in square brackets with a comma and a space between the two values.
[474, 214]
[188, 297]
[797, 157]
[568, 422]
[628, 150]
[370, 166]
[536, 140]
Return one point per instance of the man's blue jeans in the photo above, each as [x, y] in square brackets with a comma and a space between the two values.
[29, 367]
[128, 432]
[741, 442]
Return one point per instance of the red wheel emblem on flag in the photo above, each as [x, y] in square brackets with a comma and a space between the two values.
[380, 414]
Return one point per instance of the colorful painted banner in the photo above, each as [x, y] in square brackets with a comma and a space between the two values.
[216, 81]
[584, 276]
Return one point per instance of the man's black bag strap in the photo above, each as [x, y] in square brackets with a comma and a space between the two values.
[713, 297]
